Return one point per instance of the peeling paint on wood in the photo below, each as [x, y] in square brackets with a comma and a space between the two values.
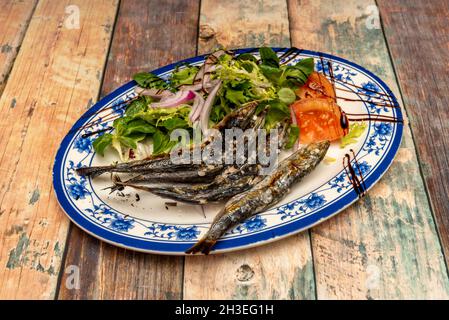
[89, 103]
[25, 257]
[16, 229]
[5, 48]
[14, 19]
[385, 246]
[238, 24]
[16, 258]
[34, 197]
[31, 133]
[133, 275]
[282, 270]
[424, 36]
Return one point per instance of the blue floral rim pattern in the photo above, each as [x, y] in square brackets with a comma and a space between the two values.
[300, 214]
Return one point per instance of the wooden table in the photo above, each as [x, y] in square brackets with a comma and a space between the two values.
[58, 57]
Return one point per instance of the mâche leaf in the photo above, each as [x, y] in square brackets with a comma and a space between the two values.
[296, 75]
[150, 81]
[307, 65]
[278, 111]
[287, 95]
[292, 137]
[246, 56]
[289, 75]
[102, 142]
[269, 57]
[271, 73]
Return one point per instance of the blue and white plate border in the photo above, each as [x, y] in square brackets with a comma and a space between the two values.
[227, 244]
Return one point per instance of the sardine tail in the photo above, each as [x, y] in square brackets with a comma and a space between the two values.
[90, 171]
[204, 246]
[117, 184]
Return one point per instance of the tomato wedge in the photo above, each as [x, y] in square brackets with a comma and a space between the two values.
[318, 119]
[317, 86]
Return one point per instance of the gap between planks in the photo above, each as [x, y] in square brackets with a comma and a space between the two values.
[384, 246]
[279, 270]
[424, 25]
[14, 26]
[59, 67]
[111, 272]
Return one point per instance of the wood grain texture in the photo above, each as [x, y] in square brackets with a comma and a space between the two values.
[385, 246]
[239, 24]
[14, 19]
[56, 71]
[418, 38]
[281, 270]
[148, 35]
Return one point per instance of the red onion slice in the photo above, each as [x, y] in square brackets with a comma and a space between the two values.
[198, 104]
[205, 113]
[180, 97]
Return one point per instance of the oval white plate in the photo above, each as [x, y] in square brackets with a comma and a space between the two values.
[149, 225]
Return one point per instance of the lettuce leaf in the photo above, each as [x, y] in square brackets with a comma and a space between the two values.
[292, 137]
[277, 112]
[162, 143]
[269, 57]
[138, 105]
[183, 76]
[150, 81]
[356, 129]
[141, 123]
[138, 126]
[102, 142]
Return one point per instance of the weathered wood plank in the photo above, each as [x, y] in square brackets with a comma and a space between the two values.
[385, 246]
[281, 270]
[234, 24]
[148, 34]
[418, 36]
[14, 18]
[58, 68]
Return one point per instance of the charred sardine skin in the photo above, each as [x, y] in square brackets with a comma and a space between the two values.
[230, 182]
[190, 177]
[233, 180]
[162, 163]
[264, 194]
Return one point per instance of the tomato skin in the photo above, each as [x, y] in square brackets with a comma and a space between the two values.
[318, 119]
[317, 86]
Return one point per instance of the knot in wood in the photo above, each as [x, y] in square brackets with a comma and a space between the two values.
[244, 273]
[206, 32]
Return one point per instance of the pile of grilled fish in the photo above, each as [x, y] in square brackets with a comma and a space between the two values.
[244, 189]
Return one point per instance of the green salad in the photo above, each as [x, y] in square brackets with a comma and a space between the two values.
[196, 96]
